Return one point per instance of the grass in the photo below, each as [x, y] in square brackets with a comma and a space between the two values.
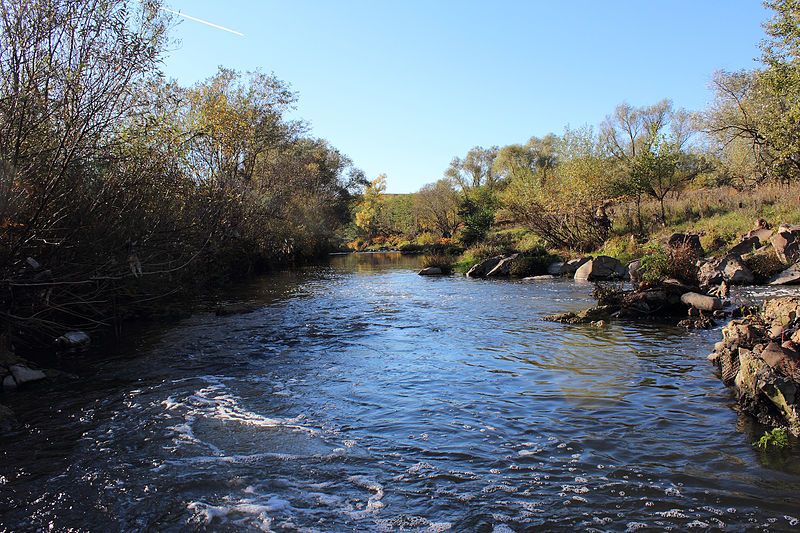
[441, 261]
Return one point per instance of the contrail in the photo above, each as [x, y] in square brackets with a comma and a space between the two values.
[201, 21]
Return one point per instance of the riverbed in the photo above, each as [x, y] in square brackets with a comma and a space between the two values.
[359, 396]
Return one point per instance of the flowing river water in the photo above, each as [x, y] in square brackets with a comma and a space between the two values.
[362, 397]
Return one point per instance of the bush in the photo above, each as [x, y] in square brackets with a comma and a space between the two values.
[442, 261]
[777, 437]
[660, 263]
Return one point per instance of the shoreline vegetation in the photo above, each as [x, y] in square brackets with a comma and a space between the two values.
[121, 190]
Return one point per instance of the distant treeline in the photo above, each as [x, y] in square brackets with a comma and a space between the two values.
[636, 163]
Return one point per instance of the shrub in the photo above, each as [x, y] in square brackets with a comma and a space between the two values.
[442, 261]
[778, 437]
[660, 263]
[426, 239]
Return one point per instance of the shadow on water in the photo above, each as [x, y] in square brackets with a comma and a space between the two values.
[360, 396]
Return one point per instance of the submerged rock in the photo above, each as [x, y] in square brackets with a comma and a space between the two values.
[235, 309]
[587, 316]
[431, 271]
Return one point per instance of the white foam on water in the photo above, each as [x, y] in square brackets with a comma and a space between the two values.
[249, 513]
[374, 503]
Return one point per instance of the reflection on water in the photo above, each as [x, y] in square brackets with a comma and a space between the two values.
[361, 396]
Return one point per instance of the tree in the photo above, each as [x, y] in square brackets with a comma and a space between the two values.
[436, 206]
[537, 156]
[646, 142]
[371, 206]
[475, 170]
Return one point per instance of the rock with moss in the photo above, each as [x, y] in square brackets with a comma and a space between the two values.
[759, 356]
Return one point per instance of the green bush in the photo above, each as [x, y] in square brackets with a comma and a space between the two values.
[778, 438]
[655, 265]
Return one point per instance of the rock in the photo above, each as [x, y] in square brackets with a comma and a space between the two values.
[235, 309]
[484, 267]
[503, 267]
[8, 383]
[572, 266]
[702, 322]
[709, 274]
[430, 271]
[701, 301]
[734, 271]
[763, 234]
[73, 340]
[556, 269]
[23, 374]
[762, 365]
[601, 268]
[635, 272]
[747, 245]
[790, 276]
[787, 243]
[687, 240]
[783, 311]
[587, 316]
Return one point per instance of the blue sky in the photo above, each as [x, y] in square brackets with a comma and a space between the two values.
[402, 87]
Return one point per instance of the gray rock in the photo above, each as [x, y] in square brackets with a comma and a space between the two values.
[747, 245]
[73, 340]
[701, 301]
[601, 268]
[503, 267]
[709, 274]
[572, 266]
[735, 271]
[23, 374]
[9, 383]
[790, 276]
[763, 234]
[484, 267]
[787, 243]
[556, 269]
[635, 272]
[430, 271]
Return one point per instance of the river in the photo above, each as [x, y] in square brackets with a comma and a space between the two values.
[362, 397]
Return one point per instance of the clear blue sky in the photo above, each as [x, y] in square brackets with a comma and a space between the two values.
[403, 86]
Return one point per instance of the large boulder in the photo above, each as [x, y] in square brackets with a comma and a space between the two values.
[747, 245]
[790, 276]
[484, 267]
[787, 243]
[730, 268]
[735, 271]
[759, 358]
[686, 240]
[701, 301]
[601, 268]
[570, 267]
[503, 267]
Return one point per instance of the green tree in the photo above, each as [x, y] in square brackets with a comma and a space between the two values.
[437, 208]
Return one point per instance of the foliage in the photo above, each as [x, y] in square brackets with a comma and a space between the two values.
[777, 437]
[477, 211]
[436, 207]
[655, 265]
[371, 207]
[475, 171]
[660, 263]
[441, 261]
[764, 265]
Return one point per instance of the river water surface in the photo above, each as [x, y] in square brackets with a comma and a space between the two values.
[362, 397]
